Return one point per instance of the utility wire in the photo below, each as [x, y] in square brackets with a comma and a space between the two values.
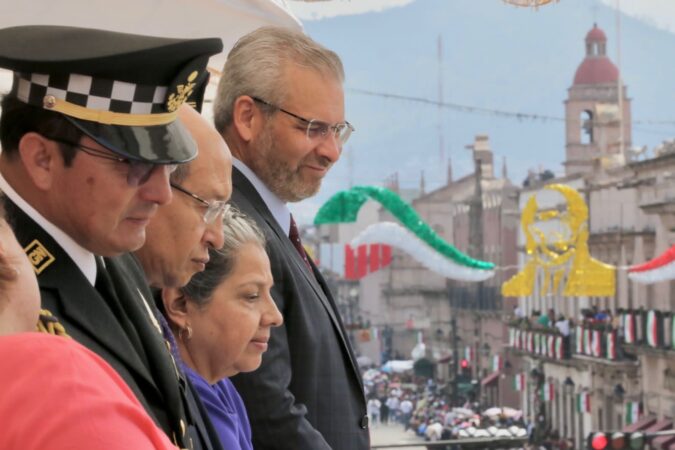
[481, 110]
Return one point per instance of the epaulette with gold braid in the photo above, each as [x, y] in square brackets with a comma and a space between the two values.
[49, 324]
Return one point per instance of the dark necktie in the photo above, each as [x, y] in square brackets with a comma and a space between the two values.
[297, 243]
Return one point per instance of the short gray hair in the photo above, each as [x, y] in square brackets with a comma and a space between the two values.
[256, 63]
[239, 230]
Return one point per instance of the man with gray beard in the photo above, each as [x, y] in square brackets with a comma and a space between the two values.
[280, 108]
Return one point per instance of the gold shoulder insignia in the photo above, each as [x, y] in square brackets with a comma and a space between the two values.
[39, 256]
[49, 324]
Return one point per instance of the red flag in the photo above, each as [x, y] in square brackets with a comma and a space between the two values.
[374, 257]
[350, 266]
[361, 261]
[386, 255]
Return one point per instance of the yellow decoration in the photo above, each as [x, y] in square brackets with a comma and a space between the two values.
[183, 92]
[107, 117]
[566, 259]
[49, 324]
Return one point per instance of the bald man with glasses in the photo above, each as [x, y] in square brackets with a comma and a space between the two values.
[280, 108]
[182, 232]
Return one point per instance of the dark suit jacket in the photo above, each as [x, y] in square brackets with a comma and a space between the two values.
[122, 332]
[308, 393]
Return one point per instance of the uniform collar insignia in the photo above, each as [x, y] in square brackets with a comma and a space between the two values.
[39, 256]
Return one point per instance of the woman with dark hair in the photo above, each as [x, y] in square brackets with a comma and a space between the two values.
[55, 392]
[222, 321]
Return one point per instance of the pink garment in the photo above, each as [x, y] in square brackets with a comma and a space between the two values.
[56, 394]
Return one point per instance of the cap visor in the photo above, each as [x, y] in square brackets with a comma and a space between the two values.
[158, 144]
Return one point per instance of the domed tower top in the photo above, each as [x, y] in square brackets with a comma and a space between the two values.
[596, 68]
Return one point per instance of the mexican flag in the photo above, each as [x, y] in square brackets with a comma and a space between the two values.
[547, 392]
[652, 329]
[497, 363]
[611, 345]
[632, 412]
[584, 402]
[579, 348]
[588, 349]
[519, 382]
[629, 328]
[551, 347]
[468, 353]
[558, 347]
[597, 344]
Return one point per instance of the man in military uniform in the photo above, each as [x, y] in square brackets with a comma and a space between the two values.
[89, 137]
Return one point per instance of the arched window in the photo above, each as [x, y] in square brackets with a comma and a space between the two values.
[586, 121]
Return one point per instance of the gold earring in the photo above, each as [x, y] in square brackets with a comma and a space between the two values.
[187, 330]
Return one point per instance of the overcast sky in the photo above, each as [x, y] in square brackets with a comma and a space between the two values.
[660, 13]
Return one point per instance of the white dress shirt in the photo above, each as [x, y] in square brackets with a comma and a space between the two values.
[277, 207]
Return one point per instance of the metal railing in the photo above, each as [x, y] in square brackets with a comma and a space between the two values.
[491, 442]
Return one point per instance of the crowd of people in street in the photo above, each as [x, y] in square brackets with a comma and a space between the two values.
[422, 406]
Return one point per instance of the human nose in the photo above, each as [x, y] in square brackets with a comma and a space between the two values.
[272, 316]
[157, 188]
[330, 147]
[214, 234]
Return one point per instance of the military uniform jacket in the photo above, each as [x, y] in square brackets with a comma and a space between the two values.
[307, 394]
[119, 327]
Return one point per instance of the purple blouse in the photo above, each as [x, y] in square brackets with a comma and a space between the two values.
[225, 409]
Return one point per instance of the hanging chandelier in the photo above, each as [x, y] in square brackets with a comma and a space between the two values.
[529, 3]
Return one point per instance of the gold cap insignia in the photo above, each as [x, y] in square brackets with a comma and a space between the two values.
[39, 256]
[183, 92]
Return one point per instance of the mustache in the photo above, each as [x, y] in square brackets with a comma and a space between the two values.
[321, 161]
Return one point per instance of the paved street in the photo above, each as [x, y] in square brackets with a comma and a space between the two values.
[393, 434]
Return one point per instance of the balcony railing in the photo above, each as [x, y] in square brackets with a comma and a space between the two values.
[539, 342]
[597, 342]
[648, 328]
[604, 339]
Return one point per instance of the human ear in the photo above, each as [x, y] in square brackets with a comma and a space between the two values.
[245, 117]
[38, 155]
[175, 307]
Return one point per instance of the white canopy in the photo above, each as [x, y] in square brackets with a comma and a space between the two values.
[227, 19]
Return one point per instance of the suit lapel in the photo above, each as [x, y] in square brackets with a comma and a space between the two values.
[80, 304]
[315, 280]
[141, 311]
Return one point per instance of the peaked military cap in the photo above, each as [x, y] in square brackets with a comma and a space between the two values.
[122, 90]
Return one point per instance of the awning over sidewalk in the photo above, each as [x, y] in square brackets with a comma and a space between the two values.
[661, 425]
[640, 425]
[664, 442]
[490, 379]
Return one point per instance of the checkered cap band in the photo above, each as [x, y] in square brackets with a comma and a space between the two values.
[92, 93]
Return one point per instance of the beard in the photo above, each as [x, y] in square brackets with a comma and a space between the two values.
[286, 181]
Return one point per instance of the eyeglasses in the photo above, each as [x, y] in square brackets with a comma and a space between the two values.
[317, 129]
[214, 209]
[139, 171]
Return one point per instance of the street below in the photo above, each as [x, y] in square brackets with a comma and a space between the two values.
[393, 434]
